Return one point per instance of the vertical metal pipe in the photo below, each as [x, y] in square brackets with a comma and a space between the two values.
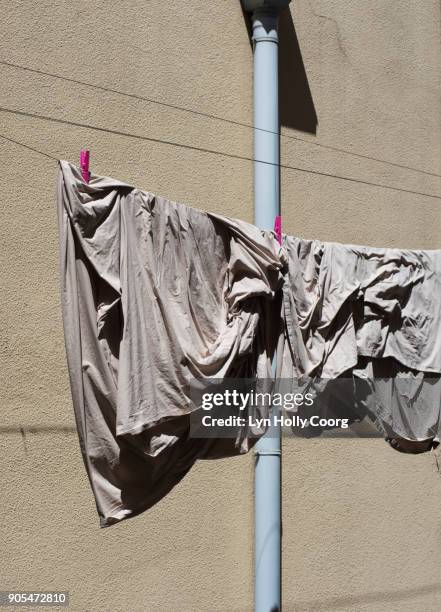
[267, 530]
[266, 117]
[267, 527]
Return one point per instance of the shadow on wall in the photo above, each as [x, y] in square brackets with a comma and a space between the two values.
[353, 603]
[296, 106]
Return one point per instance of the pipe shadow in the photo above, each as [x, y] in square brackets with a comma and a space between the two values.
[296, 105]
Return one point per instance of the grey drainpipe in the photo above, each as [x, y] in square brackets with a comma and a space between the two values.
[267, 491]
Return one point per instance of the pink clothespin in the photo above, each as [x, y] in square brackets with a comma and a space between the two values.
[278, 228]
[84, 164]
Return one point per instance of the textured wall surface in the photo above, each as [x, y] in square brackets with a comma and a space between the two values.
[360, 98]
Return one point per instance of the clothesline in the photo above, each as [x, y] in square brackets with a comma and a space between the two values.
[199, 149]
[213, 117]
[28, 147]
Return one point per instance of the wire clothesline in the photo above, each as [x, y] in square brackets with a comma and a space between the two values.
[198, 149]
[21, 144]
[214, 117]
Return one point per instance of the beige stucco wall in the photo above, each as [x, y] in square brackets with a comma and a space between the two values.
[361, 523]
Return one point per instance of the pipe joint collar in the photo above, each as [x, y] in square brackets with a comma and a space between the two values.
[265, 24]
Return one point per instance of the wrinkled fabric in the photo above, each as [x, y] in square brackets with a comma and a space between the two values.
[155, 294]
[372, 314]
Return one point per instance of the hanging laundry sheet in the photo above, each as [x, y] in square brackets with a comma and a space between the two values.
[372, 315]
[156, 294]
